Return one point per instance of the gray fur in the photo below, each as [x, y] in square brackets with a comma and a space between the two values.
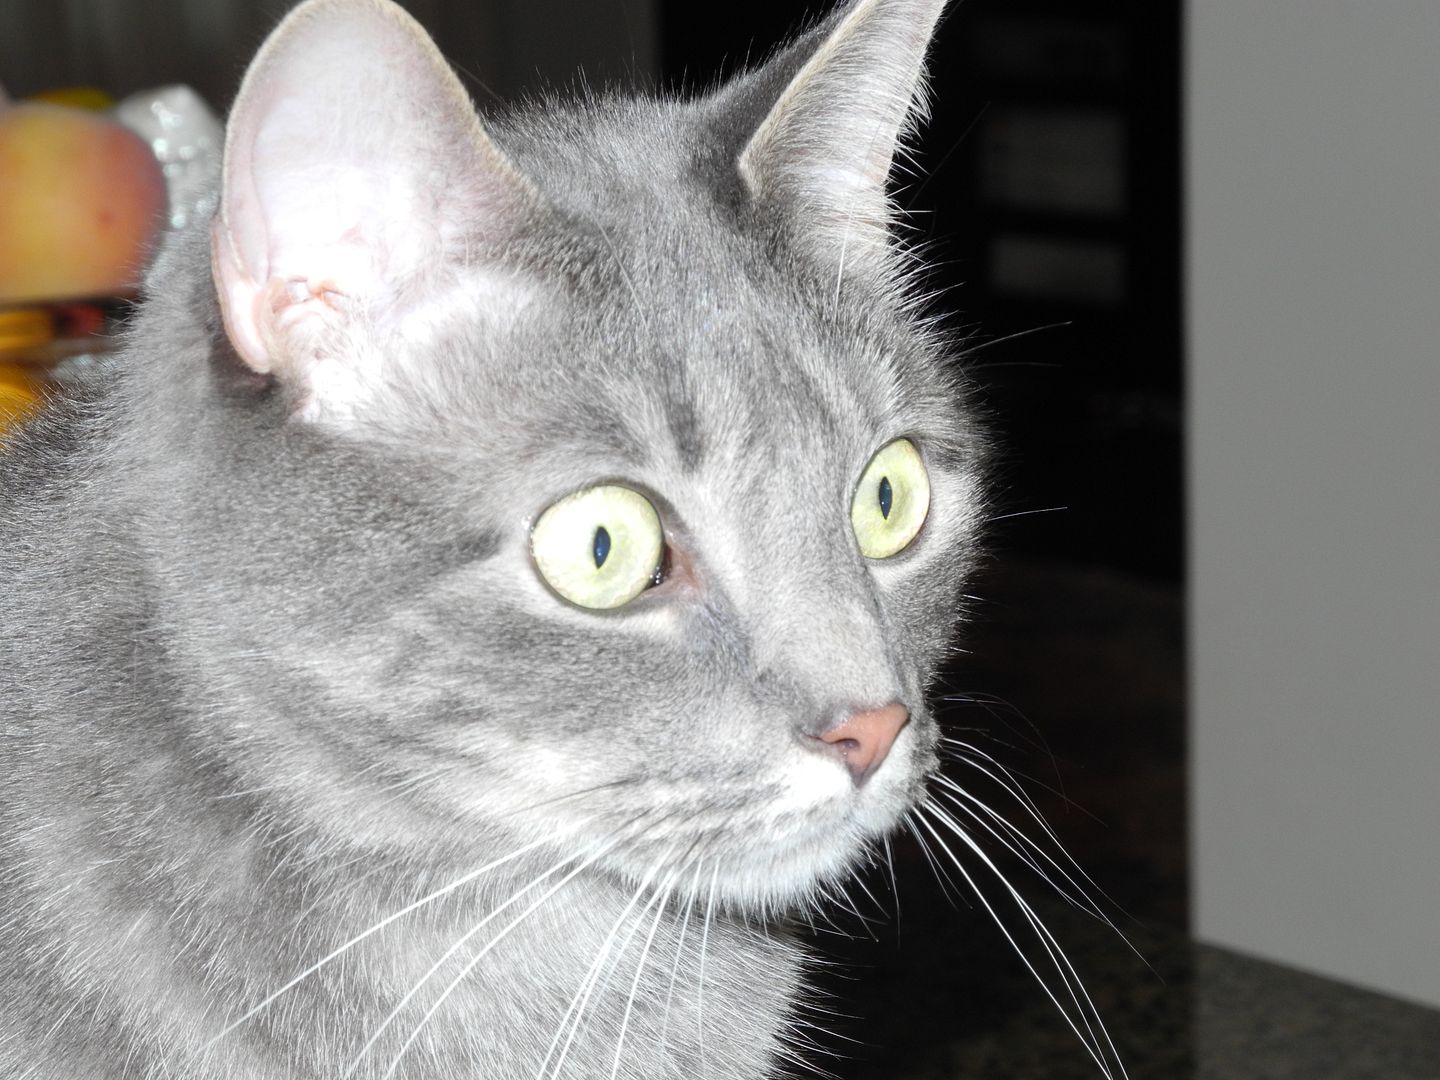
[265, 681]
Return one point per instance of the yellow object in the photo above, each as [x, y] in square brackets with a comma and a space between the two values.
[600, 547]
[25, 328]
[19, 395]
[77, 97]
[891, 501]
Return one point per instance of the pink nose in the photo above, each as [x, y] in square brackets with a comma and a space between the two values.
[863, 739]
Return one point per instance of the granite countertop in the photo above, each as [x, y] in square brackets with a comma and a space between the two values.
[1251, 1018]
[956, 1004]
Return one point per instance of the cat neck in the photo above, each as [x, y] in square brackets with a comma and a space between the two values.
[311, 959]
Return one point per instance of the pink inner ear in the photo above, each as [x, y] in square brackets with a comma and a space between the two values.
[239, 297]
[352, 155]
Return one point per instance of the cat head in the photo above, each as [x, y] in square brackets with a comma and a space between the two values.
[600, 480]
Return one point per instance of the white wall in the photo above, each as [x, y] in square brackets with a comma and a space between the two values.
[1314, 307]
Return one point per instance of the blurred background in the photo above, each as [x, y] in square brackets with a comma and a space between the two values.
[1263, 513]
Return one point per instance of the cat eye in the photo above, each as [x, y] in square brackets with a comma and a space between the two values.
[600, 547]
[891, 500]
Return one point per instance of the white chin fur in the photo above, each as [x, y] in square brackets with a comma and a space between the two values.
[821, 826]
[812, 781]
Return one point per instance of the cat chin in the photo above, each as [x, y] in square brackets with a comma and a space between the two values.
[839, 828]
[779, 876]
[819, 829]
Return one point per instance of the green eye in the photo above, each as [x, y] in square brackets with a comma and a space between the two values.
[599, 547]
[892, 500]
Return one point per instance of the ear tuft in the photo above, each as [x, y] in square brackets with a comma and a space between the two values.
[357, 177]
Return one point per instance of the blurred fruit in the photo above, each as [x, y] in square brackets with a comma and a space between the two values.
[81, 199]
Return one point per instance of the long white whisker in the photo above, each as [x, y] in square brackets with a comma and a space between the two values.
[474, 961]
[968, 796]
[894, 884]
[460, 943]
[459, 882]
[1002, 776]
[576, 1011]
[1020, 852]
[691, 897]
[1046, 939]
[639, 972]
[1018, 793]
[1069, 976]
[1058, 956]
[625, 274]
[843, 903]
[700, 983]
[582, 993]
[947, 884]
[984, 762]
[879, 907]
[995, 917]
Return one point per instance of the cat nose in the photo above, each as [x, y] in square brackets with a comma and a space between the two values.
[863, 738]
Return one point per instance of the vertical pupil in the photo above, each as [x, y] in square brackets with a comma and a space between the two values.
[602, 546]
[886, 496]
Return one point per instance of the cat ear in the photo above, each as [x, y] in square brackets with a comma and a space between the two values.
[356, 178]
[828, 142]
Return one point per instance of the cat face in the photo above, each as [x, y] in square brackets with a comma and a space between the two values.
[678, 324]
[691, 709]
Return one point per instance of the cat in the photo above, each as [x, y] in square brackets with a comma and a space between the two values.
[494, 588]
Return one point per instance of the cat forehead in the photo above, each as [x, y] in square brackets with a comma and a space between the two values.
[654, 350]
[679, 304]
[698, 388]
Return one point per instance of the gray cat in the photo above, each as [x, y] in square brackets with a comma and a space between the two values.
[495, 588]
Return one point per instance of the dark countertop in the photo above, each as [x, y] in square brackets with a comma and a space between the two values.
[960, 1006]
[1251, 1018]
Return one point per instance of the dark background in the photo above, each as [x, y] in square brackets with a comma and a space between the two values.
[1047, 194]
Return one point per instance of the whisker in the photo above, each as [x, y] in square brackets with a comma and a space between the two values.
[1018, 847]
[1025, 513]
[474, 961]
[459, 882]
[894, 884]
[990, 343]
[998, 709]
[625, 274]
[844, 903]
[576, 1011]
[986, 764]
[1024, 958]
[1002, 776]
[962, 799]
[700, 982]
[1068, 976]
[1081, 899]
[690, 898]
[623, 781]
[457, 945]
[947, 884]
[639, 972]
[879, 907]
